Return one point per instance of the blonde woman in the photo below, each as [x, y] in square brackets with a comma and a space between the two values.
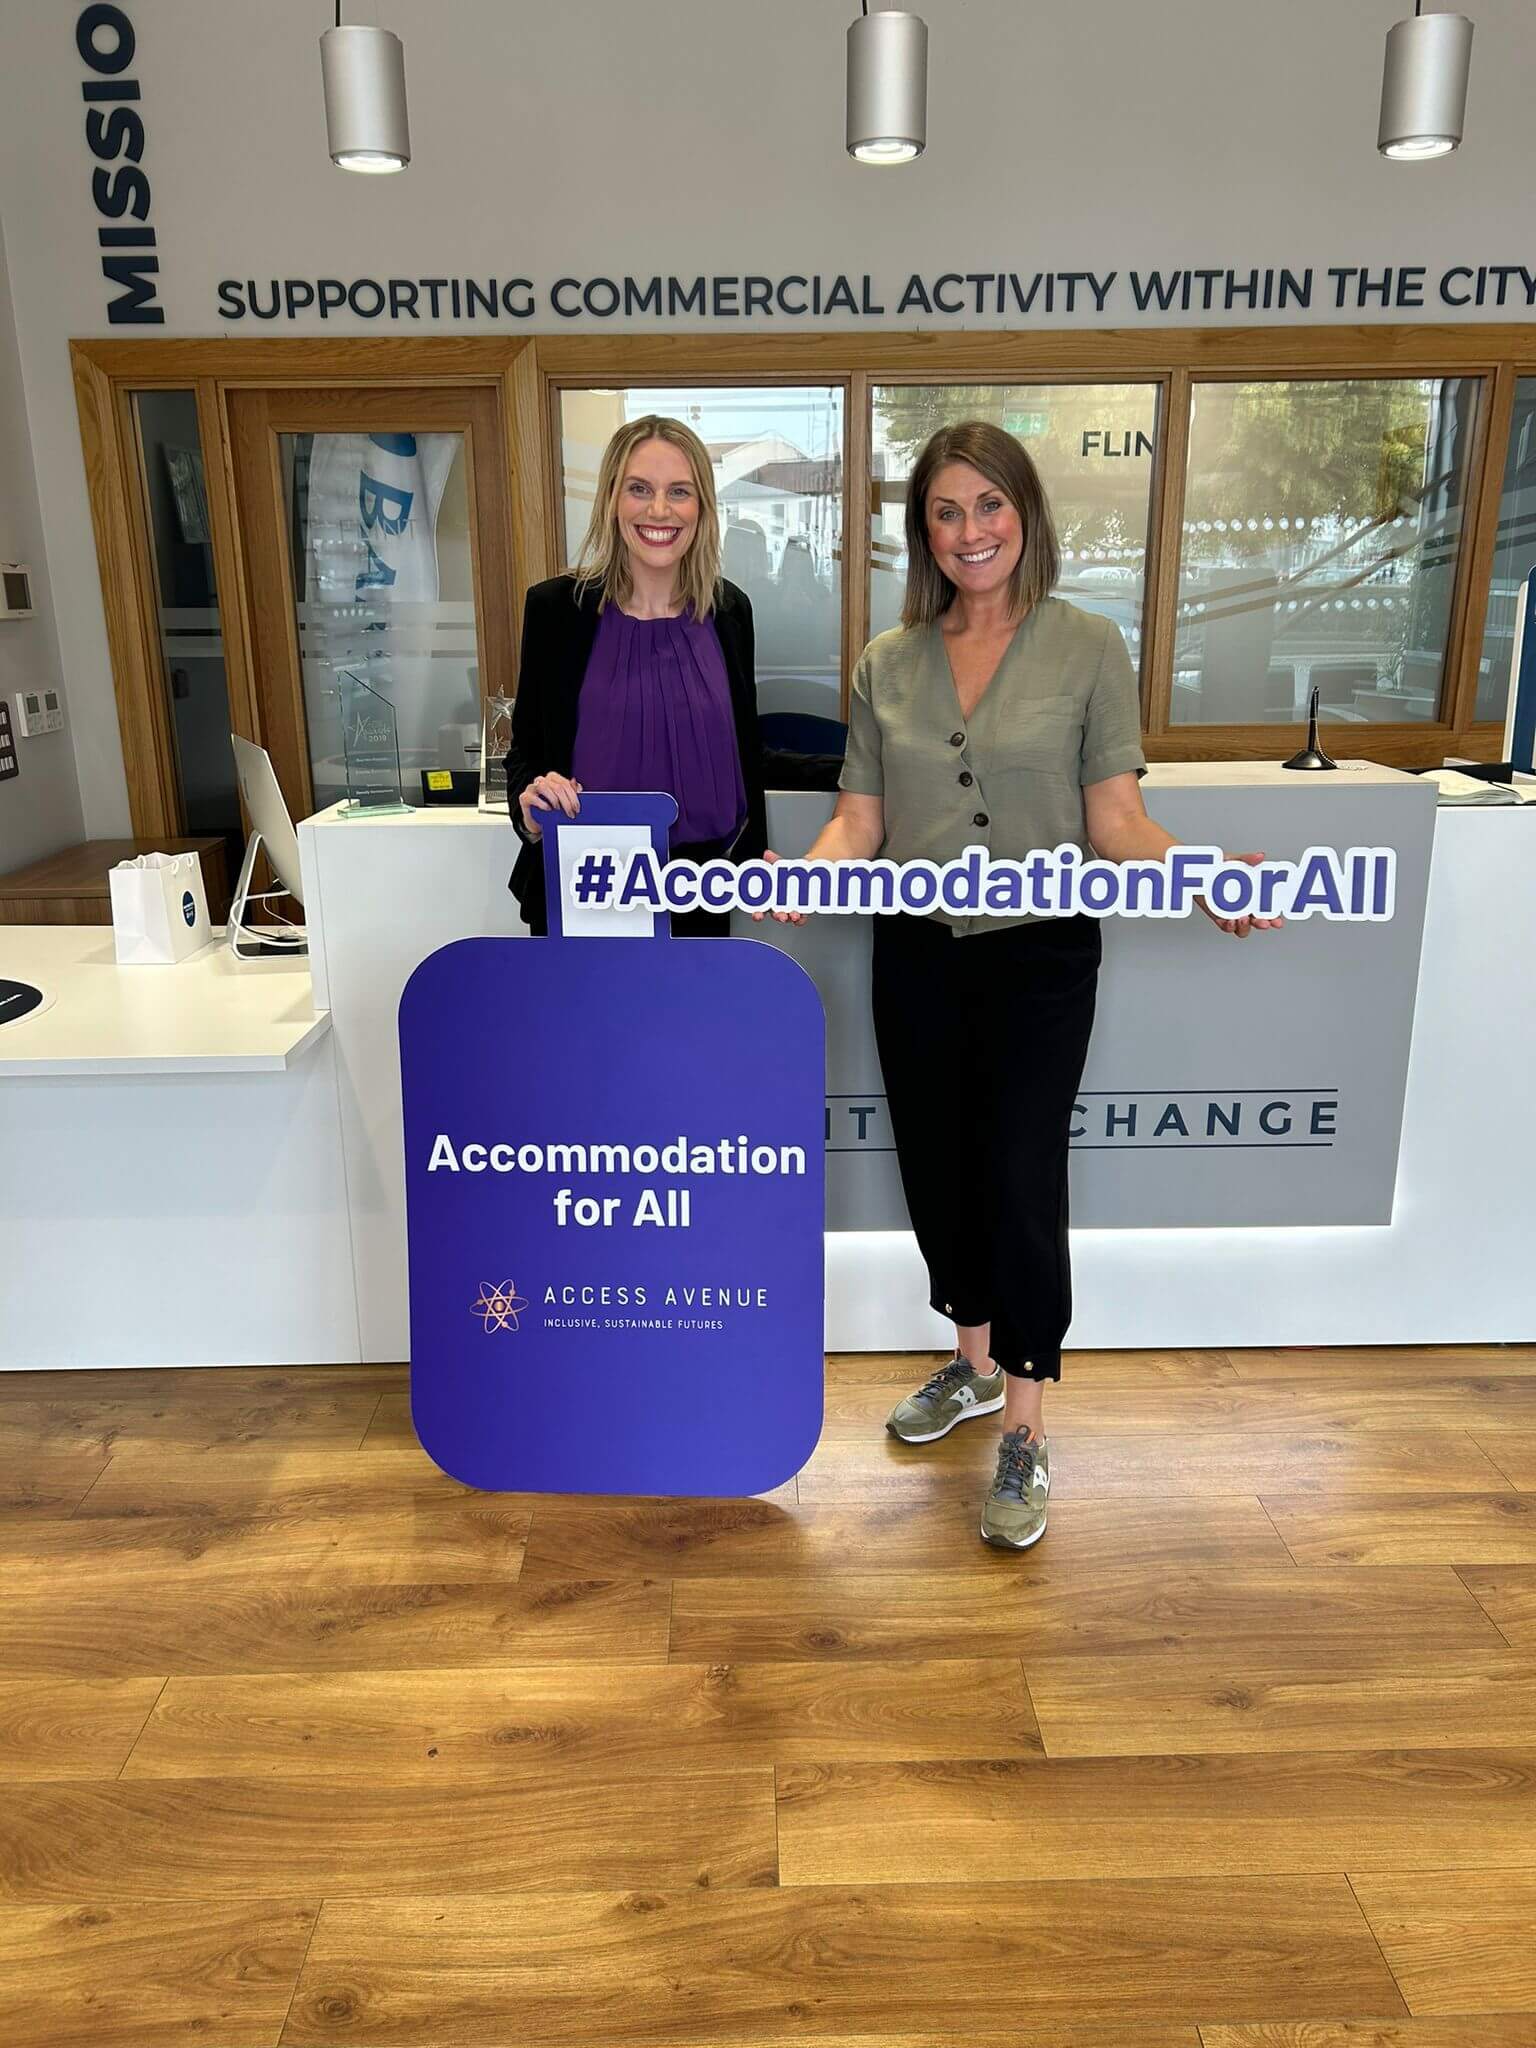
[637, 672]
[995, 715]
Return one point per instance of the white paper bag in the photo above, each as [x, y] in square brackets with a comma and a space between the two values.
[159, 909]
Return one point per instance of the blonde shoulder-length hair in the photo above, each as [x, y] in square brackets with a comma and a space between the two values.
[1004, 462]
[604, 558]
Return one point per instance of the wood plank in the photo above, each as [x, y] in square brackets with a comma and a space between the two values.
[1156, 1464]
[904, 1370]
[1354, 1401]
[443, 1541]
[933, 354]
[1332, 1696]
[33, 1484]
[1045, 2034]
[1409, 1528]
[150, 1975]
[1457, 1941]
[252, 1481]
[74, 1728]
[681, 1970]
[1041, 1607]
[483, 1725]
[1513, 1451]
[695, 1538]
[209, 1382]
[1507, 1594]
[1390, 1361]
[171, 1626]
[958, 1822]
[1476, 2030]
[1164, 551]
[1335, 1404]
[234, 1838]
[82, 869]
[853, 558]
[114, 482]
[393, 1431]
[184, 1422]
[1480, 542]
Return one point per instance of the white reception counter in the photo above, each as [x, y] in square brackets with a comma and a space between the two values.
[202, 1164]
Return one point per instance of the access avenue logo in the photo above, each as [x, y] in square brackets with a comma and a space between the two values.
[499, 1306]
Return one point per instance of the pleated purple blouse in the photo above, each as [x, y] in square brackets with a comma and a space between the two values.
[655, 713]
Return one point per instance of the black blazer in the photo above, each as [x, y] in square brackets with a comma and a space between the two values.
[559, 627]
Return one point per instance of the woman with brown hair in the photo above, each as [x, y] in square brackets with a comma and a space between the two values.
[638, 671]
[995, 715]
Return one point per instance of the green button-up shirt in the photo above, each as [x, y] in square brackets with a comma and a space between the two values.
[1060, 712]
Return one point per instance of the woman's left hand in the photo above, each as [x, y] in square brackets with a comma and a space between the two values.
[1240, 927]
[778, 916]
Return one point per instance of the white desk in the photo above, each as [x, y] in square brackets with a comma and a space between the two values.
[212, 1014]
[171, 1180]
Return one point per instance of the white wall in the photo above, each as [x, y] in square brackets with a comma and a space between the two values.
[605, 139]
[39, 807]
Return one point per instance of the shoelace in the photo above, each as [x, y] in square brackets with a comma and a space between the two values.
[1015, 1466]
[947, 1376]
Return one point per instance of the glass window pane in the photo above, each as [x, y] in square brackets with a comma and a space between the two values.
[1514, 555]
[777, 455]
[379, 525]
[187, 610]
[1322, 529]
[1093, 445]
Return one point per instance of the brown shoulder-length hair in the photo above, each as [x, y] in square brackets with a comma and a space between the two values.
[1005, 462]
[604, 559]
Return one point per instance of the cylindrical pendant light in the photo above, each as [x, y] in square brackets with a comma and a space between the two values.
[887, 87]
[1424, 85]
[365, 117]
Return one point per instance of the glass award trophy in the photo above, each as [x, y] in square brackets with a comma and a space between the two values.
[371, 748]
[496, 740]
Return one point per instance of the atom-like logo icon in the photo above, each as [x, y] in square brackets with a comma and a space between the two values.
[498, 1307]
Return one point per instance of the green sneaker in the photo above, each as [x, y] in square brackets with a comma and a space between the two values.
[1013, 1515]
[954, 1394]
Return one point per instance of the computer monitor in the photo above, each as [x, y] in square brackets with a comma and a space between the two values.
[272, 833]
[1520, 718]
[268, 813]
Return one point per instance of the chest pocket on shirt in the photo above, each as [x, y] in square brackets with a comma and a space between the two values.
[1044, 733]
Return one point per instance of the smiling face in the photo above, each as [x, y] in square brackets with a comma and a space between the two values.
[974, 529]
[658, 505]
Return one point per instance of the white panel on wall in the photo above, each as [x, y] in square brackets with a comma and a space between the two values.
[40, 803]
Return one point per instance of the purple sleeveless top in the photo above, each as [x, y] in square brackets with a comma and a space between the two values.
[655, 713]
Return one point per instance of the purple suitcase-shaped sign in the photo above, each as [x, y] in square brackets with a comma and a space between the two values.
[614, 1192]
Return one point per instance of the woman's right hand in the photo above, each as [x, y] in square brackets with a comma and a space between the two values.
[548, 793]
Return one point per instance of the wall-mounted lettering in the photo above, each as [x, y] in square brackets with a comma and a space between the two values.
[114, 134]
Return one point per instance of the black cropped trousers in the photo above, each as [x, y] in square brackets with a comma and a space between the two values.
[982, 1042]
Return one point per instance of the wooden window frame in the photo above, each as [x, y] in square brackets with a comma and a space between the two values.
[530, 370]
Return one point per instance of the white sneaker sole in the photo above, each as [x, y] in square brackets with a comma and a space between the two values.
[1002, 1542]
[965, 1415]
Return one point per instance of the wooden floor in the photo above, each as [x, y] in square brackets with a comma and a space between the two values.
[302, 1743]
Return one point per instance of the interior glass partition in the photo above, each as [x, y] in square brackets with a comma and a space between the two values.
[1095, 448]
[1321, 543]
[187, 613]
[776, 452]
[378, 529]
[1514, 555]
